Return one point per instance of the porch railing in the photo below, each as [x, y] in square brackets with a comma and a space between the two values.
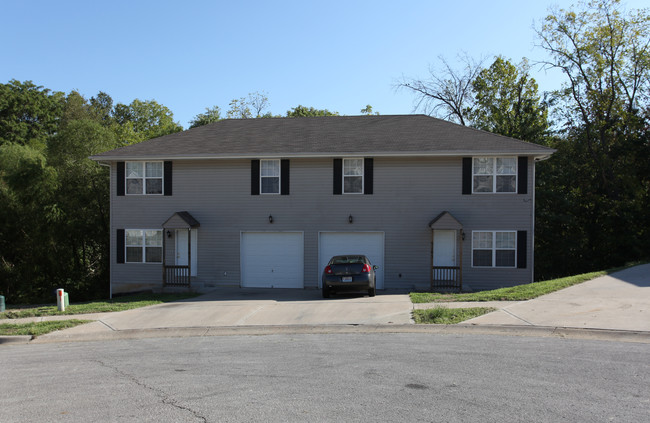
[446, 277]
[177, 276]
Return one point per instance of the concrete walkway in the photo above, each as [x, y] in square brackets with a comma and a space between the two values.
[620, 301]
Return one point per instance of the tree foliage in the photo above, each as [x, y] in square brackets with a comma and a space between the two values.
[28, 113]
[54, 221]
[594, 193]
[368, 111]
[507, 102]
[252, 106]
[211, 115]
[303, 111]
[143, 120]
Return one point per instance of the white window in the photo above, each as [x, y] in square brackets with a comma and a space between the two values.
[352, 176]
[143, 245]
[494, 249]
[494, 174]
[144, 178]
[270, 176]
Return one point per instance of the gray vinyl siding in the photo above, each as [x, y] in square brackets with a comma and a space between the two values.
[408, 194]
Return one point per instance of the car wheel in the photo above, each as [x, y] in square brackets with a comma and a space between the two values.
[371, 292]
[326, 292]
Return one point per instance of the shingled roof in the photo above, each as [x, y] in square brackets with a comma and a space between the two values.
[388, 135]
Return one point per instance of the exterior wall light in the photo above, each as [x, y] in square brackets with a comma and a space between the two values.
[270, 219]
[350, 220]
[169, 233]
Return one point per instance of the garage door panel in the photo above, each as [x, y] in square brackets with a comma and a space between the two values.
[370, 244]
[272, 259]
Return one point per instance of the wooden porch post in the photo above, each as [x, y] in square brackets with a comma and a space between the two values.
[460, 258]
[431, 267]
[189, 256]
[164, 274]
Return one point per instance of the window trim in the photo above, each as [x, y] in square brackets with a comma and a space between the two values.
[279, 162]
[144, 177]
[343, 176]
[494, 249]
[143, 246]
[494, 175]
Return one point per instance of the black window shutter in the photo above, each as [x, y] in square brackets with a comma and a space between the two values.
[168, 178]
[338, 176]
[120, 178]
[119, 242]
[284, 177]
[522, 238]
[522, 176]
[467, 175]
[367, 175]
[255, 177]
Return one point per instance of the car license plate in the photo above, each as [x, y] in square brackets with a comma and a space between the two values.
[346, 279]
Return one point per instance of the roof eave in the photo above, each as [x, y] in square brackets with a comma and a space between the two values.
[536, 154]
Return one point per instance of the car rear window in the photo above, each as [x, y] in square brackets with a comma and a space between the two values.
[348, 260]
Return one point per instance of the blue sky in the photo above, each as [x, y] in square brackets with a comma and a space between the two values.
[189, 55]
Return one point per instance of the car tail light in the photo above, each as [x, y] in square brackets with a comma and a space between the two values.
[328, 270]
[366, 268]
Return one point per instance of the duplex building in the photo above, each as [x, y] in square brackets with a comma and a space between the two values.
[267, 202]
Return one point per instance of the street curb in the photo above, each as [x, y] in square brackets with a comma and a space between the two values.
[504, 330]
[16, 339]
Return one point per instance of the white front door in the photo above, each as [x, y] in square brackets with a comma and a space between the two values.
[444, 248]
[181, 249]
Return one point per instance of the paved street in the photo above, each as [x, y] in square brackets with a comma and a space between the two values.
[354, 377]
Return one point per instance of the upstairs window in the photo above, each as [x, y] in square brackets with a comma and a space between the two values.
[143, 245]
[494, 249]
[352, 176]
[144, 178]
[494, 174]
[270, 176]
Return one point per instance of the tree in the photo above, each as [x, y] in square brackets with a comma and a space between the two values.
[302, 111]
[28, 113]
[506, 102]
[368, 111]
[239, 109]
[252, 106]
[146, 119]
[27, 216]
[447, 93]
[596, 187]
[212, 114]
[55, 200]
[605, 57]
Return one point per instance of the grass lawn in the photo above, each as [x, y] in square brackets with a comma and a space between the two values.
[515, 293]
[448, 316]
[38, 328]
[116, 304]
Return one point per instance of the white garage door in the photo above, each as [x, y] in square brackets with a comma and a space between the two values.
[370, 244]
[272, 259]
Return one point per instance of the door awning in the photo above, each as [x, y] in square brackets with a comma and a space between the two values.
[445, 220]
[181, 220]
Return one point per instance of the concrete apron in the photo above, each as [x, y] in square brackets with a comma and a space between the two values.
[258, 307]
